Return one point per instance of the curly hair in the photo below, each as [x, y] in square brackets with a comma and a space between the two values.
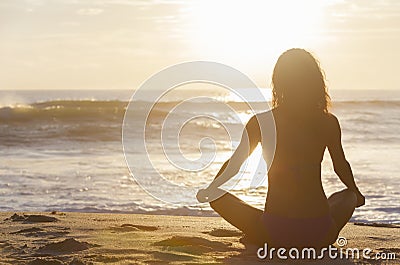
[299, 82]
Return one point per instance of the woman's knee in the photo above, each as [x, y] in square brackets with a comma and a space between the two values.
[342, 196]
[350, 197]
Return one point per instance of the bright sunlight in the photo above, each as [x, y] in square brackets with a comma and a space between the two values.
[246, 28]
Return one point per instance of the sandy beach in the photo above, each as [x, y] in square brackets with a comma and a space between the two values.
[96, 238]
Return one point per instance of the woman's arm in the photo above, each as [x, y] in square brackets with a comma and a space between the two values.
[250, 138]
[340, 164]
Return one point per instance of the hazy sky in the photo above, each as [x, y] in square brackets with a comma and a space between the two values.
[100, 44]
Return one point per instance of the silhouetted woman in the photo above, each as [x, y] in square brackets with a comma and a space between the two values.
[297, 212]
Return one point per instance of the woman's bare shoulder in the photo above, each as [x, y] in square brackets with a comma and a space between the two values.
[332, 120]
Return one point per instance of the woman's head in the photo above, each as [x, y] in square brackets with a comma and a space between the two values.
[298, 82]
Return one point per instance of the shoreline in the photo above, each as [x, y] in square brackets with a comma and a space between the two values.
[98, 238]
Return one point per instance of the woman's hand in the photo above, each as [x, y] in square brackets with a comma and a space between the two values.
[209, 194]
[202, 195]
[360, 199]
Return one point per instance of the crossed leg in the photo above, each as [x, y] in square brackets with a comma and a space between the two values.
[248, 218]
[240, 214]
[342, 205]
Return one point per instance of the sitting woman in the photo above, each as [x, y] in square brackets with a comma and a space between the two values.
[297, 212]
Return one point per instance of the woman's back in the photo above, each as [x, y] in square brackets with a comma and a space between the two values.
[294, 178]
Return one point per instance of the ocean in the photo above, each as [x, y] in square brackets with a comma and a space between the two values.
[62, 151]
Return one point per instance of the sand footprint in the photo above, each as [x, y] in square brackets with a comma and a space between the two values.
[69, 245]
[132, 227]
[220, 232]
[32, 218]
[192, 245]
[50, 232]
[165, 257]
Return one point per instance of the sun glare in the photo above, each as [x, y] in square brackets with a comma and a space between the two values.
[254, 28]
